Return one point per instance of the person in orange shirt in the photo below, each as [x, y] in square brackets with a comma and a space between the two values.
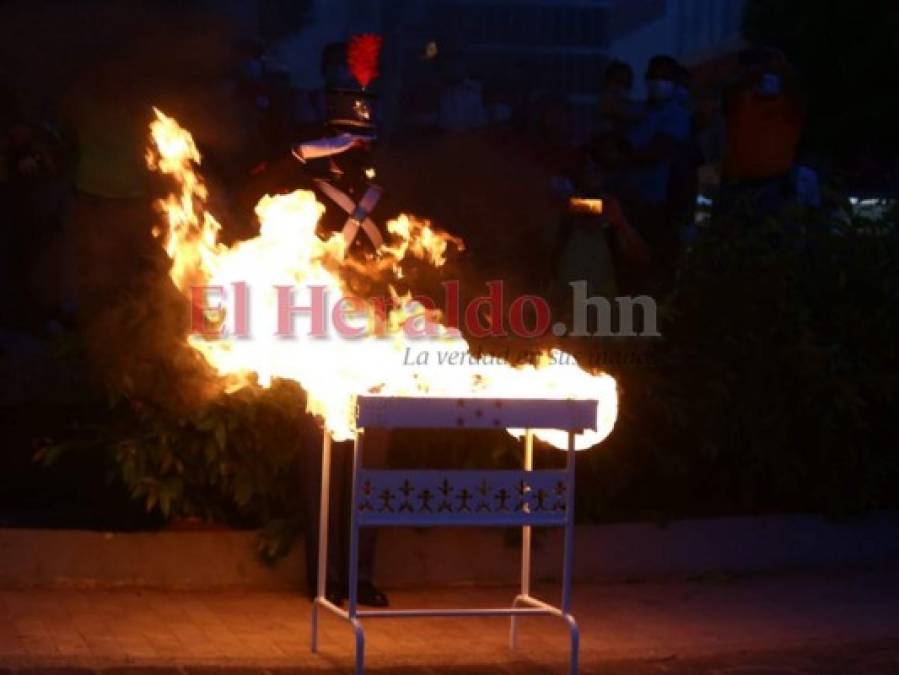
[763, 119]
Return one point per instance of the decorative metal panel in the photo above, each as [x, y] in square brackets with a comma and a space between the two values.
[403, 497]
[475, 413]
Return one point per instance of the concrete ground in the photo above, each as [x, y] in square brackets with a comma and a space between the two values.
[832, 623]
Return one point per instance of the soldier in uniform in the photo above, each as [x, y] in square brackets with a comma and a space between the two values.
[336, 158]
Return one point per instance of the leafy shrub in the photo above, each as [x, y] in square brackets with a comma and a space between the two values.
[773, 385]
[771, 390]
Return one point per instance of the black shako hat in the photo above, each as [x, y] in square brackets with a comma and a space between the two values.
[350, 106]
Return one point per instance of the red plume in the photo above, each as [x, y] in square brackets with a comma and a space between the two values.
[362, 57]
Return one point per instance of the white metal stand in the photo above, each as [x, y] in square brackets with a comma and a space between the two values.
[475, 498]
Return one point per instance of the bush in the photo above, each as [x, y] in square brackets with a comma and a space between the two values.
[773, 386]
[232, 460]
[771, 390]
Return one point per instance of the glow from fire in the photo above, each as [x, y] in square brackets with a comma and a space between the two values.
[333, 370]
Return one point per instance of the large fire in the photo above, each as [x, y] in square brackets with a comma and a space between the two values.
[334, 370]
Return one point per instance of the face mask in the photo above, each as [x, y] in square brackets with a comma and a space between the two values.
[769, 85]
[660, 90]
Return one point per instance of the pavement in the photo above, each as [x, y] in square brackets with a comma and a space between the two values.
[787, 624]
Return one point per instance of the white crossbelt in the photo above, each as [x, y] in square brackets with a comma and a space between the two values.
[358, 212]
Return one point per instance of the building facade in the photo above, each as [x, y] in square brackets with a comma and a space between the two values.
[549, 46]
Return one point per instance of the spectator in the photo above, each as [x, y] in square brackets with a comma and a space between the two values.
[656, 141]
[499, 103]
[682, 87]
[35, 202]
[763, 117]
[552, 141]
[616, 115]
[461, 100]
[580, 250]
[683, 184]
[617, 110]
[107, 240]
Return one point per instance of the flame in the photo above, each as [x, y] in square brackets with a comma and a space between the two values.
[333, 370]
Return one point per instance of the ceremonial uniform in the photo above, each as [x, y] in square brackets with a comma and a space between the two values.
[339, 161]
[340, 171]
[336, 164]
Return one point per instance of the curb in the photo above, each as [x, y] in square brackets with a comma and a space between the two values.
[208, 560]
[878, 658]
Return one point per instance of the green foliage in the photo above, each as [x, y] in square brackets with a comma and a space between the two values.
[771, 390]
[773, 387]
[233, 460]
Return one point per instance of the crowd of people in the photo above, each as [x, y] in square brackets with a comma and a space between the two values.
[72, 166]
[643, 159]
[740, 126]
